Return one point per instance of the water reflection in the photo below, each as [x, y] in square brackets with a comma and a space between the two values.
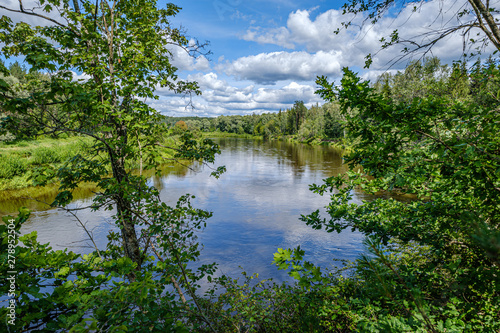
[256, 207]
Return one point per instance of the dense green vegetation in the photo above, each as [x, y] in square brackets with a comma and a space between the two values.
[431, 131]
[323, 123]
[20, 159]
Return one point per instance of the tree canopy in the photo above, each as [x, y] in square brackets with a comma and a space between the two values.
[121, 49]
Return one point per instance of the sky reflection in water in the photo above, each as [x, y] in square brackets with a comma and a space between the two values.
[256, 207]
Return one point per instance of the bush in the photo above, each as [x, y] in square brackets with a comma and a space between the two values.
[7, 137]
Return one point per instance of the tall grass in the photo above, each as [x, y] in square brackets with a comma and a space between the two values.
[11, 166]
[19, 158]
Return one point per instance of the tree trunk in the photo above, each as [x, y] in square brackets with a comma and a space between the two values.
[490, 28]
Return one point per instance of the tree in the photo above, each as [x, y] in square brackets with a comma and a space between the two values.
[122, 46]
[295, 117]
[123, 50]
[333, 126]
[180, 127]
[444, 153]
[18, 71]
[419, 79]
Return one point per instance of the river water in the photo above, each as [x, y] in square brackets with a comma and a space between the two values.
[256, 207]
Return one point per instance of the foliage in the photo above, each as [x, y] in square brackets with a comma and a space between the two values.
[122, 48]
[445, 153]
[57, 290]
[317, 122]
[421, 78]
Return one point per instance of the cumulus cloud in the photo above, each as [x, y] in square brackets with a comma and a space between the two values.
[185, 61]
[267, 68]
[287, 95]
[222, 98]
[351, 45]
[80, 76]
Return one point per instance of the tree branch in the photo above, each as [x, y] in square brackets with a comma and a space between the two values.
[23, 11]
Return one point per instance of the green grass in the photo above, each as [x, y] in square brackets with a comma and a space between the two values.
[18, 159]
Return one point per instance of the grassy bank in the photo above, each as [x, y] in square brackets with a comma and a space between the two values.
[19, 159]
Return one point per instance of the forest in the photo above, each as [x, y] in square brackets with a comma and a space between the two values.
[431, 132]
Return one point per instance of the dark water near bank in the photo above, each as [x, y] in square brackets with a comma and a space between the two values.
[256, 207]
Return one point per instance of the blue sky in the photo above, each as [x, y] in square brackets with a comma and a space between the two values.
[266, 54]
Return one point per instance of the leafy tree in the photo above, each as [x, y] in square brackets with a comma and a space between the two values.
[485, 85]
[333, 121]
[421, 78]
[296, 116]
[181, 126]
[444, 153]
[18, 71]
[123, 49]
[458, 85]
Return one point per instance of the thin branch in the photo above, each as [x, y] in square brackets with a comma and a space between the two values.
[193, 295]
[71, 211]
[174, 281]
[23, 11]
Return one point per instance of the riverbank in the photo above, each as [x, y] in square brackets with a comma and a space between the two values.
[338, 144]
[19, 159]
[217, 134]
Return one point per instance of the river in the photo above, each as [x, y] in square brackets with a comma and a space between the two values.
[256, 207]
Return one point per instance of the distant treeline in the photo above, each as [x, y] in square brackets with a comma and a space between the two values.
[305, 124]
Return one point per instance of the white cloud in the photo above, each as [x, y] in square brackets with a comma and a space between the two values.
[80, 76]
[286, 95]
[222, 98]
[267, 68]
[279, 36]
[185, 61]
[350, 46]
